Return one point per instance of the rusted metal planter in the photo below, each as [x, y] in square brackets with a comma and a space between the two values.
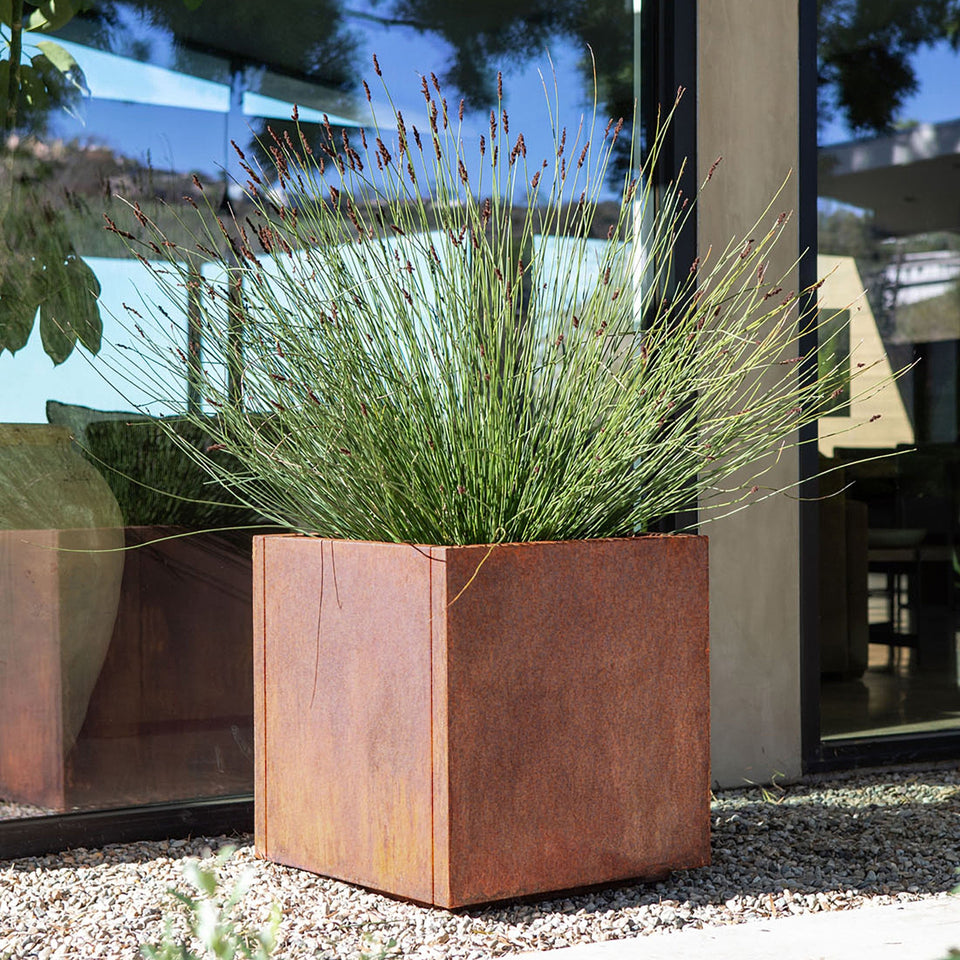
[456, 725]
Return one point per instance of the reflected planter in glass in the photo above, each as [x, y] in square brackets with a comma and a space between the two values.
[171, 716]
[458, 725]
[60, 572]
[167, 713]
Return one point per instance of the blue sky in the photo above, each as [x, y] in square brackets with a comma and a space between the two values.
[938, 98]
[137, 108]
[140, 110]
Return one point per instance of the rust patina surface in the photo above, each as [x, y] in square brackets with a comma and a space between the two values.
[465, 724]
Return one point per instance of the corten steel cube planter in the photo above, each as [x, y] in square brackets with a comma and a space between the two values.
[456, 725]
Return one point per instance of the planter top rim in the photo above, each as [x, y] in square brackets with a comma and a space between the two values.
[639, 538]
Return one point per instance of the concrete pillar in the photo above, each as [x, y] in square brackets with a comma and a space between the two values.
[747, 111]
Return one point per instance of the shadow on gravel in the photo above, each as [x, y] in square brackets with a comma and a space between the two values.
[135, 852]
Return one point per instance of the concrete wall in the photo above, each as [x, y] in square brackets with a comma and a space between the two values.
[747, 107]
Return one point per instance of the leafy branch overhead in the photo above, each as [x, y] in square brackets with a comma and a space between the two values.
[38, 75]
[40, 270]
[865, 50]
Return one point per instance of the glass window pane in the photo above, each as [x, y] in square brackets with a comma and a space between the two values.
[889, 246]
[125, 648]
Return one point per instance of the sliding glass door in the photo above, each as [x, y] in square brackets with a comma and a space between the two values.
[889, 247]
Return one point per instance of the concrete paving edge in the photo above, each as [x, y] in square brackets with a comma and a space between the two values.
[916, 930]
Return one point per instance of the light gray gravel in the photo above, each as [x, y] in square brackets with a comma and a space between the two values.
[14, 811]
[823, 844]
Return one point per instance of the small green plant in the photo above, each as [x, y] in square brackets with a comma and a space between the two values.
[377, 950]
[209, 923]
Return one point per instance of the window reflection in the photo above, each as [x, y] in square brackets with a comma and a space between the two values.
[889, 139]
[125, 674]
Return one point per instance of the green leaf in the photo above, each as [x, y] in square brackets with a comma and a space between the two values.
[72, 305]
[51, 15]
[225, 853]
[84, 290]
[65, 64]
[204, 880]
[64, 89]
[52, 79]
[33, 89]
[18, 310]
[57, 335]
[6, 12]
[60, 58]
[189, 4]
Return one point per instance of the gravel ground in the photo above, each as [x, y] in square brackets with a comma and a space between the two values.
[821, 844]
[13, 811]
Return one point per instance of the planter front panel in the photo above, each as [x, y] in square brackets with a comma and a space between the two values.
[545, 728]
[342, 711]
[577, 714]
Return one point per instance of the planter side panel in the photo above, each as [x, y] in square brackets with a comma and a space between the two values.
[343, 711]
[578, 715]
[259, 701]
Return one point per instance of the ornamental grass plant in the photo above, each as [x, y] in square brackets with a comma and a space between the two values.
[420, 336]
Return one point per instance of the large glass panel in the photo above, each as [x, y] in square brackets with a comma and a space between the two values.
[889, 245]
[125, 649]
